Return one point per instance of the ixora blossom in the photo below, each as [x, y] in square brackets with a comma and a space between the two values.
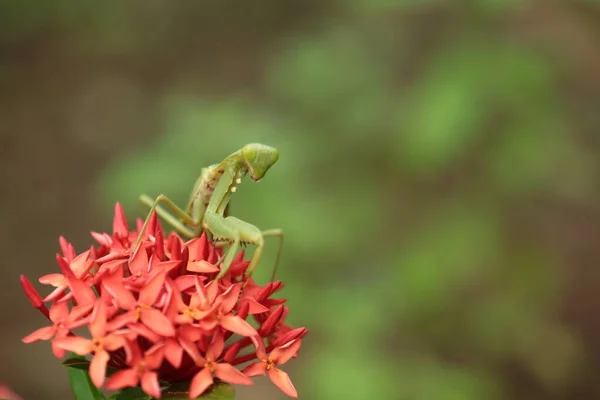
[7, 393]
[159, 316]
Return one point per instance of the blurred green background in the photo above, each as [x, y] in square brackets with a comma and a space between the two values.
[437, 185]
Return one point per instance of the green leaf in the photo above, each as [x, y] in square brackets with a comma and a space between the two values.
[81, 384]
[78, 363]
[135, 393]
[219, 391]
[84, 365]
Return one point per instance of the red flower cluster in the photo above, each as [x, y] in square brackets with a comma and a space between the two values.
[163, 316]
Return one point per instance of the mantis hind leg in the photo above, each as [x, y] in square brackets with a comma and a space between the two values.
[273, 233]
[165, 215]
[178, 225]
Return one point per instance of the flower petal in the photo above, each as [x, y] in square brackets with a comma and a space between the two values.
[44, 333]
[288, 336]
[122, 379]
[190, 333]
[139, 264]
[111, 266]
[173, 353]
[212, 290]
[198, 247]
[237, 325]
[229, 298]
[229, 373]
[267, 327]
[7, 393]
[255, 306]
[67, 248]
[202, 266]
[57, 351]
[282, 354]
[102, 239]
[121, 320]
[157, 321]
[120, 228]
[167, 265]
[98, 368]
[78, 312]
[150, 384]
[216, 347]
[78, 345]
[192, 350]
[261, 353]
[114, 341]
[143, 330]
[113, 284]
[81, 264]
[283, 382]
[201, 381]
[33, 296]
[56, 293]
[185, 282]
[55, 280]
[152, 289]
[154, 356]
[255, 369]
[97, 325]
[208, 322]
[81, 291]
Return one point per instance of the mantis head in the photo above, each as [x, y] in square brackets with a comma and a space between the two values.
[258, 158]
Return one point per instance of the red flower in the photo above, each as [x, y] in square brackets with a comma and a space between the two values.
[224, 371]
[143, 369]
[80, 266]
[160, 314]
[100, 344]
[62, 321]
[268, 364]
[141, 309]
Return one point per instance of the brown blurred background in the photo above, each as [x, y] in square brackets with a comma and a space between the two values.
[438, 180]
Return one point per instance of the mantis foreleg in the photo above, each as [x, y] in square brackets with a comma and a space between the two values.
[177, 225]
[268, 233]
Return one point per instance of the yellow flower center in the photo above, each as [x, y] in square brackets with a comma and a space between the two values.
[192, 313]
[98, 344]
[138, 310]
[270, 364]
[140, 367]
[211, 365]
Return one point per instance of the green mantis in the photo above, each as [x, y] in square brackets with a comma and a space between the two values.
[208, 203]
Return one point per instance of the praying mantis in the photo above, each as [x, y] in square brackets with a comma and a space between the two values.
[208, 203]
